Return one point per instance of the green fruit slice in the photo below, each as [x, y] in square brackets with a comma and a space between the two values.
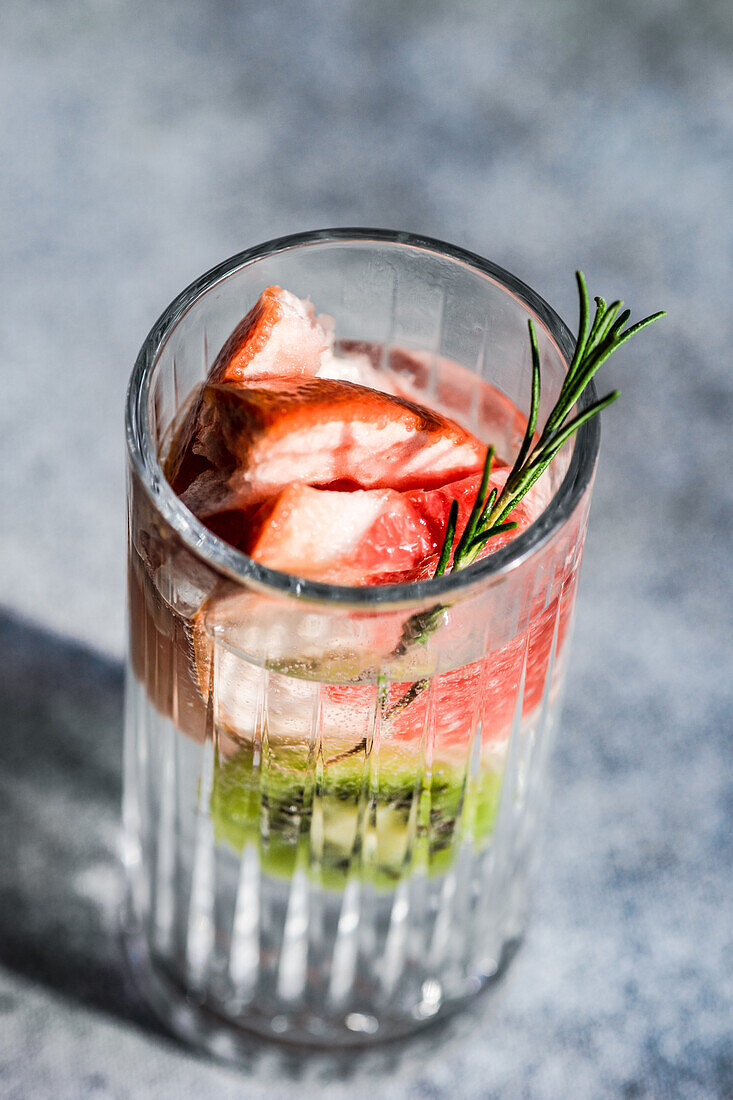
[345, 819]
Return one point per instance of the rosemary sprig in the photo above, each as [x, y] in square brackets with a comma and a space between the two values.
[489, 514]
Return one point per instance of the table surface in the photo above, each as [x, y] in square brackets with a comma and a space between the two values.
[144, 143]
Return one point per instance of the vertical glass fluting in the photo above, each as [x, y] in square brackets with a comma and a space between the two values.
[327, 831]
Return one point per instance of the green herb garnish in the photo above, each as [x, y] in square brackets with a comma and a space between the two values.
[489, 514]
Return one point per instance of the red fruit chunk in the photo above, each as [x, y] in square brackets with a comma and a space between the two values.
[330, 536]
[246, 445]
[278, 336]
[368, 536]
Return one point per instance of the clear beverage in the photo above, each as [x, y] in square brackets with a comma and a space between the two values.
[328, 832]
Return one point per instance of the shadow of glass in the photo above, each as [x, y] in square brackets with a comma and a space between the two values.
[60, 791]
[61, 883]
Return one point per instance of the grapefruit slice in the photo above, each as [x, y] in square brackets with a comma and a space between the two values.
[281, 336]
[326, 535]
[369, 536]
[248, 444]
[278, 336]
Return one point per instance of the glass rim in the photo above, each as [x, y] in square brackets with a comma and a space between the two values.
[237, 565]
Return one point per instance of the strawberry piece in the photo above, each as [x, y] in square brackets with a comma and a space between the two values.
[278, 336]
[248, 444]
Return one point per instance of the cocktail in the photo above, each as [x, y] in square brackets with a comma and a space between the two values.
[352, 567]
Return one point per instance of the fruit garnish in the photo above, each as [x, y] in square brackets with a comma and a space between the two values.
[278, 336]
[269, 803]
[281, 335]
[337, 481]
[373, 536]
[249, 444]
[329, 535]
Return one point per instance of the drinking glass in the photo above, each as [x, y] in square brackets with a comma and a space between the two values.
[329, 810]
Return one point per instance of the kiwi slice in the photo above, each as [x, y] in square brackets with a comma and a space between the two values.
[343, 818]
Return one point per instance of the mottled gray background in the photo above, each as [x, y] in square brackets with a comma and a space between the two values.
[144, 142]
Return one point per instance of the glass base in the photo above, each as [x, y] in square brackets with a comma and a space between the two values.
[196, 1021]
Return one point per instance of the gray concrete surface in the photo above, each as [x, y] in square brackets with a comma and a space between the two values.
[142, 143]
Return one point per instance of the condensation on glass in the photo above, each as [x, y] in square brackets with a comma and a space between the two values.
[306, 857]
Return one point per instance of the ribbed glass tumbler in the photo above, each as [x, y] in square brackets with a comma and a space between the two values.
[328, 811]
